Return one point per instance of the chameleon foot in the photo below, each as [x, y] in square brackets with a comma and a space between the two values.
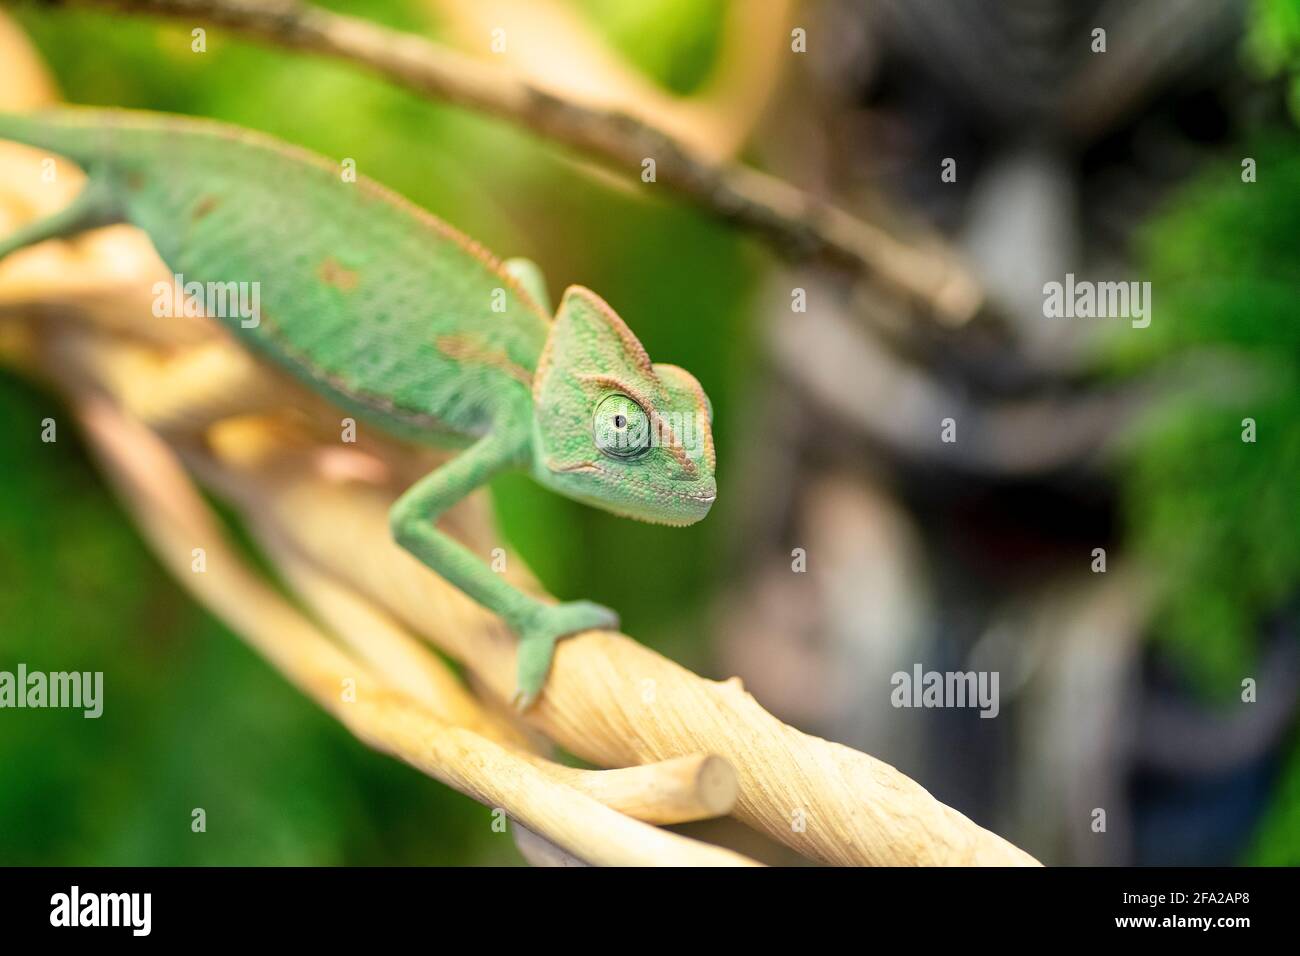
[537, 640]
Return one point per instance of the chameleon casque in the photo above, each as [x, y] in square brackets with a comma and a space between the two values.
[399, 319]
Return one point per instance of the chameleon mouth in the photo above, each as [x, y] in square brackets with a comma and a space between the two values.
[691, 507]
[651, 503]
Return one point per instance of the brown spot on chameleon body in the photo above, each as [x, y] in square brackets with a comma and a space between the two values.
[469, 348]
[334, 273]
[204, 207]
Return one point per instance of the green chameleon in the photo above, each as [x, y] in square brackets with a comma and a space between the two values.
[401, 320]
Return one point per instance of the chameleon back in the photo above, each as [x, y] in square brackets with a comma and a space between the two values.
[435, 352]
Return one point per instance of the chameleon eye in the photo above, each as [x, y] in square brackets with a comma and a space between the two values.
[621, 427]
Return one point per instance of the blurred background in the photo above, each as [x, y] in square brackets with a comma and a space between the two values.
[1120, 689]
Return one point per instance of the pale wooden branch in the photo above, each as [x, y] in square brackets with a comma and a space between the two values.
[676, 790]
[925, 274]
[540, 852]
[581, 812]
[608, 699]
[615, 702]
[679, 790]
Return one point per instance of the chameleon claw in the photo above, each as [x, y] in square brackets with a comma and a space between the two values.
[537, 643]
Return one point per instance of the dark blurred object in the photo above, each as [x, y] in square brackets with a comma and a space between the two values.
[1205, 774]
[1062, 154]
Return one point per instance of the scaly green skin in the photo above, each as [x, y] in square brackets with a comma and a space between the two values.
[403, 321]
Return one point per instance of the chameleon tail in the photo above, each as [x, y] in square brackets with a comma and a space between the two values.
[90, 210]
[69, 132]
[64, 132]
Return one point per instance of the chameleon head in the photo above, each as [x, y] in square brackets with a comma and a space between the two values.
[614, 430]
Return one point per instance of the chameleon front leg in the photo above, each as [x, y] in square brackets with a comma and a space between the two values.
[537, 625]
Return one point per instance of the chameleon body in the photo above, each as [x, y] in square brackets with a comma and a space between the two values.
[400, 319]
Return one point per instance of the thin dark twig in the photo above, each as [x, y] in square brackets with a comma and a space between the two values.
[797, 223]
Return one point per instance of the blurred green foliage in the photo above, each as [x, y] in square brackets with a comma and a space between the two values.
[674, 41]
[1215, 514]
[1219, 516]
[1273, 43]
[192, 719]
